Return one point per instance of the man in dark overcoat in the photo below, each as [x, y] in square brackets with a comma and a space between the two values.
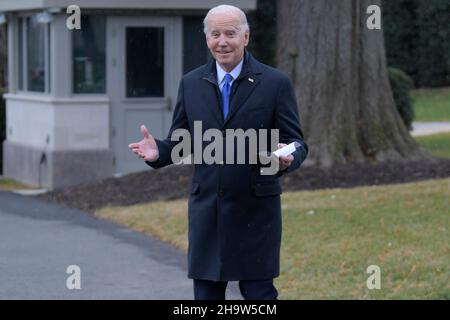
[234, 210]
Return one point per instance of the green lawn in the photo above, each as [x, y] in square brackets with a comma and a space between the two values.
[9, 184]
[330, 237]
[438, 144]
[432, 104]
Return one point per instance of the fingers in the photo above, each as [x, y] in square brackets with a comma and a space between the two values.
[145, 132]
[286, 161]
[136, 147]
[133, 145]
[139, 153]
[146, 135]
[288, 158]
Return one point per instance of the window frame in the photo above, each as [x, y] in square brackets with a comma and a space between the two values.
[72, 63]
[22, 53]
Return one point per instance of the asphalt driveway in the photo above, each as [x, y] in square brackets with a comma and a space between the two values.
[39, 241]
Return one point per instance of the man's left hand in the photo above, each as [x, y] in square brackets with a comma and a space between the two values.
[285, 162]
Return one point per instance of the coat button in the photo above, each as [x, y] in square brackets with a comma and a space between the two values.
[221, 193]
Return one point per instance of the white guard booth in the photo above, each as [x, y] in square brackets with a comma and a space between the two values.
[76, 98]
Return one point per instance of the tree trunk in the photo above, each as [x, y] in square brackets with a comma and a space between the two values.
[338, 68]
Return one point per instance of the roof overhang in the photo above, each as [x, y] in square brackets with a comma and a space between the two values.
[21, 5]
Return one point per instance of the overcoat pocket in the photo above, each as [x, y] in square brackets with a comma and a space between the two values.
[195, 188]
[267, 189]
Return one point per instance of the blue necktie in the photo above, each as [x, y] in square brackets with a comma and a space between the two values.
[226, 94]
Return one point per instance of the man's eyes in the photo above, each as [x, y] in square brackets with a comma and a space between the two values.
[228, 34]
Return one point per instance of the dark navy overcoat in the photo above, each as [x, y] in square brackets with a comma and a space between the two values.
[234, 211]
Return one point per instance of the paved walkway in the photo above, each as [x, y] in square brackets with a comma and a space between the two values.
[38, 241]
[428, 128]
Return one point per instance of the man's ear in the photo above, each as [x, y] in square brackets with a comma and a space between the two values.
[247, 37]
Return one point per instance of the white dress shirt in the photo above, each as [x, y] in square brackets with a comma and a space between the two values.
[234, 73]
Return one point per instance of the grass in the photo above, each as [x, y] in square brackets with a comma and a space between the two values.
[437, 144]
[330, 237]
[432, 104]
[9, 185]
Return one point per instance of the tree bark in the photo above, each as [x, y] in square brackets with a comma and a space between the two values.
[338, 68]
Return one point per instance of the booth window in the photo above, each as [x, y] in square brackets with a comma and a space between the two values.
[195, 51]
[144, 62]
[34, 55]
[89, 55]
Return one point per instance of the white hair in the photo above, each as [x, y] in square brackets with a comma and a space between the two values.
[227, 9]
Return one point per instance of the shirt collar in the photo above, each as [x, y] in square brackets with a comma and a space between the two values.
[234, 73]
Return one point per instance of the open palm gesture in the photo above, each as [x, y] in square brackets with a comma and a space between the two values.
[146, 148]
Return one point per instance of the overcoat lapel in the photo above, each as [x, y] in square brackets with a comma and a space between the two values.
[211, 96]
[247, 81]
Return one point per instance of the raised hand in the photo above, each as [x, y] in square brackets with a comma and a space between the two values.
[146, 148]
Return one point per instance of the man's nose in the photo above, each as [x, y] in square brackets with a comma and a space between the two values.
[223, 41]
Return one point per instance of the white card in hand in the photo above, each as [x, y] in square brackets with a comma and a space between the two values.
[287, 150]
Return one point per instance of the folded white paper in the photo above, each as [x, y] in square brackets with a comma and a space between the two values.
[287, 150]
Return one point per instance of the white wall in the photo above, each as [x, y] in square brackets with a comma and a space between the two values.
[75, 124]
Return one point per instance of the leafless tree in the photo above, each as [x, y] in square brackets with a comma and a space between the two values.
[338, 68]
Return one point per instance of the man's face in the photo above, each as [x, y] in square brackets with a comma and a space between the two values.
[226, 40]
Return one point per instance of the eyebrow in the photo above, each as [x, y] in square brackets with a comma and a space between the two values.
[234, 29]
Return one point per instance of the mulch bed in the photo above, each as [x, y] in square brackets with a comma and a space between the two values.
[173, 182]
